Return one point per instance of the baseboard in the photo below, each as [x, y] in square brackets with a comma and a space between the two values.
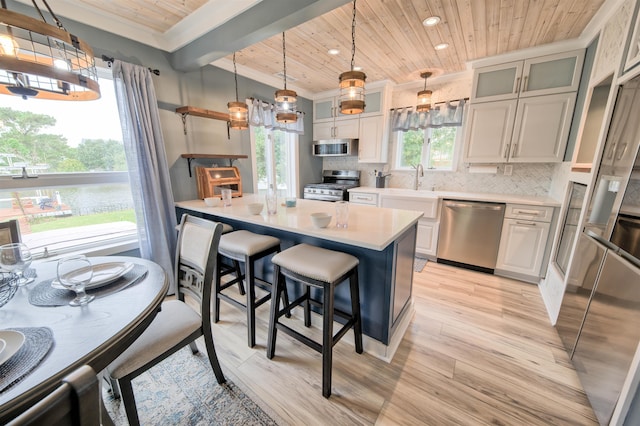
[386, 352]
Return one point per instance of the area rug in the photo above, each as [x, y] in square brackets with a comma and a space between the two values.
[418, 264]
[182, 390]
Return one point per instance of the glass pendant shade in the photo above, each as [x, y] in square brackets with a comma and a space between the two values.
[286, 101]
[424, 100]
[352, 92]
[424, 96]
[238, 115]
[42, 61]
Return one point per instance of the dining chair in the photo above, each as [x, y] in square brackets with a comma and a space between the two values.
[75, 402]
[177, 324]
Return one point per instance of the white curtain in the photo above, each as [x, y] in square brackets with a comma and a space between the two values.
[264, 114]
[147, 161]
[447, 114]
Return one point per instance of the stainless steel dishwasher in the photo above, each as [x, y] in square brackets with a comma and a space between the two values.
[470, 234]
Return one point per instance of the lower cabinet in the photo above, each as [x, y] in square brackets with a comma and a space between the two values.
[363, 198]
[523, 243]
[427, 238]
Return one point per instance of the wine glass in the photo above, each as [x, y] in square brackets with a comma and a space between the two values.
[16, 257]
[75, 273]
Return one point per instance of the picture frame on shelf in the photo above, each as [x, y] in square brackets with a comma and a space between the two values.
[9, 232]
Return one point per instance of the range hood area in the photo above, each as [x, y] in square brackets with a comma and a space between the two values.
[335, 147]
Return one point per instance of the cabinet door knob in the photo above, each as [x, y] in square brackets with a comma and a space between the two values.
[517, 85]
[514, 150]
[526, 83]
[506, 151]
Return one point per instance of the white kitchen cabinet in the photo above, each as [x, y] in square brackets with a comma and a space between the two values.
[538, 76]
[327, 108]
[489, 130]
[427, 237]
[367, 198]
[541, 128]
[428, 225]
[339, 129]
[373, 143]
[523, 242]
[530, 130]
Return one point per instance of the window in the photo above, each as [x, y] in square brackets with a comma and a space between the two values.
[81, 198]
[275, 163]
[438, 153]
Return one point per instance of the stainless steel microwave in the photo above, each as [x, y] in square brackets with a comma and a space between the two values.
[335, 147]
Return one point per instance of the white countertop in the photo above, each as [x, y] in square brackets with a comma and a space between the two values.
[470, 196]
[369, 227]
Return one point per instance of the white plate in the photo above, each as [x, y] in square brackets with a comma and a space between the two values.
[13, 340]
[103, 274]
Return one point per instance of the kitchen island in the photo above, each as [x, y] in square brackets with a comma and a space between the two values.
[382, 239]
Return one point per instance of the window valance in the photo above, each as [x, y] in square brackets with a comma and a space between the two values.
[441, 115]
[263, 114]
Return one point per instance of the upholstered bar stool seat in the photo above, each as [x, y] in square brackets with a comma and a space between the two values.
[245, 247]
[320, 268]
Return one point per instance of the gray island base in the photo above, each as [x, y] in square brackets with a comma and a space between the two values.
[382, 239]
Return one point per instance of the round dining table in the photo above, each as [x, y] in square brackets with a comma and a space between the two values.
[93, 334]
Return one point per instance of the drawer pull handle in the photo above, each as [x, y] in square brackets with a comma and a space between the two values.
[529, 212]
[519, 222]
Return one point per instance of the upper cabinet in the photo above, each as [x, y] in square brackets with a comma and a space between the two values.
[522, 111]
[370, 127]
[538, 76]
[328, 108]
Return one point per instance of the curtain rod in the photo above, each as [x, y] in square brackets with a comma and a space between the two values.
[110, 61]
[437, 103]
[265, 102]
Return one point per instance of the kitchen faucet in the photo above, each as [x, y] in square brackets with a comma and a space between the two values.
[419, 174]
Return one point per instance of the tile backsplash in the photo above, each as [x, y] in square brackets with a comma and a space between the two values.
[526, 179]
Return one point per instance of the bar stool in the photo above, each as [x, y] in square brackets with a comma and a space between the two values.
[245, 247]
[319, 268]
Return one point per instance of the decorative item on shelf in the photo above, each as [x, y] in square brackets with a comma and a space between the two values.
[352, 81]
[237, 110]
[424, 96]
[42, 61]
[285, 99]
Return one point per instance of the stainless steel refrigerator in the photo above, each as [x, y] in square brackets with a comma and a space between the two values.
[600, 314]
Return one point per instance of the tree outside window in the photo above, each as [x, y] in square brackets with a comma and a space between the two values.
[432, 147]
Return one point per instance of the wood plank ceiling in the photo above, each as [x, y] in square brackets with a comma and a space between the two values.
[391, 42]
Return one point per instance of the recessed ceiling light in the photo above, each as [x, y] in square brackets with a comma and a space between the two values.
[431, 21]
[441, 46]
[333, 51]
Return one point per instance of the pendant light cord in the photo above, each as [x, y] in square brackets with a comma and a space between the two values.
[284, 61]
[353, 36]
[235, 74]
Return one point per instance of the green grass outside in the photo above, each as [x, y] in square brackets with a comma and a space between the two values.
[50, 223]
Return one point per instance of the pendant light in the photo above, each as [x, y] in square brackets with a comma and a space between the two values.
[424, 96]
[352, 82]
[285, 99]
[43, 61]
[237, 110]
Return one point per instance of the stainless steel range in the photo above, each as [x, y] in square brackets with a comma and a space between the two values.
[334, 186]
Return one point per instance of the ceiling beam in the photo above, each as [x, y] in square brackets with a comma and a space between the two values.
[267, 18]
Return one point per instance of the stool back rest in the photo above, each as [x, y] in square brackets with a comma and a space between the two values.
[75, 402]
[196, 259]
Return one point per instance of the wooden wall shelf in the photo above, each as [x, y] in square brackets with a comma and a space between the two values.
[201, 112]
[230, 157]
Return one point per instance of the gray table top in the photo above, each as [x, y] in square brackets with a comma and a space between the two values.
[94, 334]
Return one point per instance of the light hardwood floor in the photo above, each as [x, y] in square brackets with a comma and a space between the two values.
[479, 350]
